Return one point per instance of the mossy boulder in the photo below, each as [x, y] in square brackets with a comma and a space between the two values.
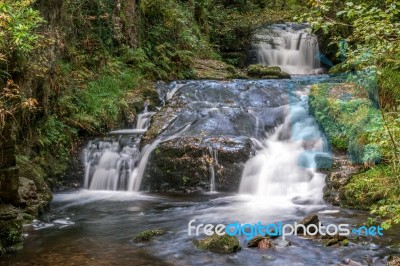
[266, 72]
[221, 244]
[147, 235]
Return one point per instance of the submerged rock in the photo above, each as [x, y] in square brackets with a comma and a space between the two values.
[148, 235]
[266, 72]
[221, 244]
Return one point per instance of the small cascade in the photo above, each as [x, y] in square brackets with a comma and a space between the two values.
[143, 119]
[290, 47]
[110, 163]
[284, 170]
[214, 161]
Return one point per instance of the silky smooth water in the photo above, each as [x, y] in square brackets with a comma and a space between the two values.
[289, 46]
[96, 228]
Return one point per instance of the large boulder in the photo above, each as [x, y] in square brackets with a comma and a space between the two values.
[191, 161]
[205, 132]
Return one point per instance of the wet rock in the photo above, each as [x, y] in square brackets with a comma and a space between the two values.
[393, 261]
[336, 240]
[338, 177]
[189, 163]
[254, 241]
[266, 72]
[219, 119]
[323, 161]
[221, 244]
[265, 243]
[147, 235]
[308, 220]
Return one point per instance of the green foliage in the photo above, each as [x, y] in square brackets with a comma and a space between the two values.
[185, 180]
[389, 93]
[370, 28]
[100, 104]
[92, 24]
[350, 121]
[18, 21]
[375, 190]
[172, 37]
[232, 27]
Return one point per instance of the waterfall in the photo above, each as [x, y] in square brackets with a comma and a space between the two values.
[213, 163]
[290, 47]
[135, 180]
[109, 164]
[284, 169]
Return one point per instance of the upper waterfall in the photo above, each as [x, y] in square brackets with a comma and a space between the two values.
[288, 46]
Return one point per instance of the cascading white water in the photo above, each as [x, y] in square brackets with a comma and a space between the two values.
[109, 164]
[290, 47]
[214, 162]
[135, 179]
[284, 170]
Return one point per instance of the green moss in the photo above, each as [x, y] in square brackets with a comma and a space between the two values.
[349, 120]
[367, 188]
[266, 72]
[10, 226]
[147, 235]
[185, 180]
[344, 243]
[220, 244]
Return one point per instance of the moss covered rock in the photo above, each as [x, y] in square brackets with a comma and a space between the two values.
[336, 240]
[221, 244]
[147, 235]
[266, 72]
[10, 227]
